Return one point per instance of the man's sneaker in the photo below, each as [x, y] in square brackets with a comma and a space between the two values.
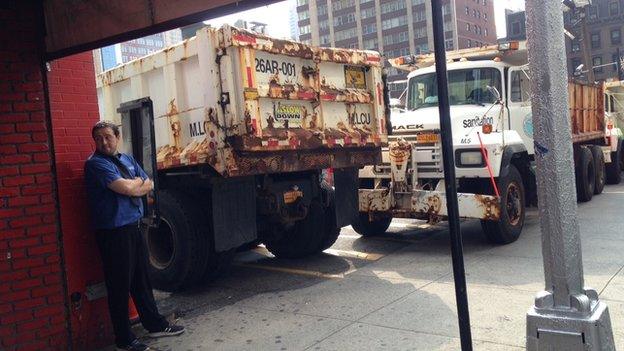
[171, 330]
[136, 345]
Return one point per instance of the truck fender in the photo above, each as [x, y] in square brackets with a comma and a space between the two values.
[518, 156]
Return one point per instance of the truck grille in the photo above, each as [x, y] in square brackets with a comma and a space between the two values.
[428, 158]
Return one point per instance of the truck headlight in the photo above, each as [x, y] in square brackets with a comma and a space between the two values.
[469, 158]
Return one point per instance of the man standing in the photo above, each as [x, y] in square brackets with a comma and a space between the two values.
[115, 185]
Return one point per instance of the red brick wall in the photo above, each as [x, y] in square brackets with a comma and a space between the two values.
[74, 110]
[33, 314]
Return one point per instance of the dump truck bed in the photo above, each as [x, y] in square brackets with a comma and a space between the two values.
[245, 103]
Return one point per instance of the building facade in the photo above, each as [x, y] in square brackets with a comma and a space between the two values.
[394, 27]
[515, 22]
[605, 23]
[110, 56]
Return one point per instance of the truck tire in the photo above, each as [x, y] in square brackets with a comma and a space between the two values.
[513, 209]
[599, 167]
[614, 169]
[305, 237]
[365, 227]
[331, 232]
[585, 175]
[181, 250]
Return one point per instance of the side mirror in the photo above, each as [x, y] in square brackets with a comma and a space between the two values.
[395, 103]
[494, 92]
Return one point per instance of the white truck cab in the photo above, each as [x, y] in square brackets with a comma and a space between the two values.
[493, 146]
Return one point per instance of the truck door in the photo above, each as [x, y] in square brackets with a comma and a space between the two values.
[137, 129]
[519, 104]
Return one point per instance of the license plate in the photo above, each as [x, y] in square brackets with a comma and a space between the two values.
[428, 138]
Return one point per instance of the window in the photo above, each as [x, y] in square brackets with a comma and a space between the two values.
[369, 12]
[478, 14]
[395, 38]
[394, 22]
[302, 2]
[338, 20]
[304, 15]
[420, 32]
[448, 44]
[468, 27]
[520, 86]
[515, 28]
[345, 34]
[393, 6]
[369, 28]
[576, 46]
[485, 32]
[365, 1]
[466, 87]
[324, 39]
[575, 62]
[305, 29]
[342, 4]
[615, 58]
[417, 2]
[616, 36]
[467, 10]
[595, 41]
[419, 16]
[593, 12]
[614, 8]
[321, 10]
[474, 13]
[353, 46]
[370, 44]
[485, 16]
[484, 2]
[446, 9]
[469, 43]
[324, 24]
[597, 61]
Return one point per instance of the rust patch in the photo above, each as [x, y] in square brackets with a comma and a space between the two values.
[491, 207]
[399, 152]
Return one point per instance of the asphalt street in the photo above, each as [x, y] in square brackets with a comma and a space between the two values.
[394, 292]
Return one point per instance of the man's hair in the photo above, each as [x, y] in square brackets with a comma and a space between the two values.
[105, 124]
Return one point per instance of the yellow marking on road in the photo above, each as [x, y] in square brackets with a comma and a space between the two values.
[295, 271]
[613, 192]
[356, 254]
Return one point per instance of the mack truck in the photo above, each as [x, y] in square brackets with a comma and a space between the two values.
[235, 128]
[493, 144]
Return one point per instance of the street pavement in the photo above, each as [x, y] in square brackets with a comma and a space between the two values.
[394, 292]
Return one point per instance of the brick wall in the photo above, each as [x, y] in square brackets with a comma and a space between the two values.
[33, 315]
[74, 110]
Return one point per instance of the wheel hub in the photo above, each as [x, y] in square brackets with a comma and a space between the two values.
[513, 204]
[160, 244]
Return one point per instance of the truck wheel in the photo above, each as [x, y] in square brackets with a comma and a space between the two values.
[599, 167]
[179, 249]
[331, 232]
[508, 228]
[365, 227]
[303, 238]
[614, 169]
[585, 175]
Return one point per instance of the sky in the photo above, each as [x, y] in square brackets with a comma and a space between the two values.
[276, 16]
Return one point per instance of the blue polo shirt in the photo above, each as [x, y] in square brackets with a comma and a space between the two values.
[109, 209]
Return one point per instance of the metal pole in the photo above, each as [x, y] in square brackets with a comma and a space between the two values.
[459, 274]
[567, 315]
[586, 42]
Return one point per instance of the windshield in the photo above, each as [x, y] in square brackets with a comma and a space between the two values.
[466, 86]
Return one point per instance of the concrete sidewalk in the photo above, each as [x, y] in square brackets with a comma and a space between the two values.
[395, 292]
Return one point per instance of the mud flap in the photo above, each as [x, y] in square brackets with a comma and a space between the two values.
[346, 184]
[233, 212]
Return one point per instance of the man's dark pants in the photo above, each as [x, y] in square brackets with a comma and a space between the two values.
[125, 268]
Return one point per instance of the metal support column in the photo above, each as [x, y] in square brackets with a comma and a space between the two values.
[459, 274]
[566, 315]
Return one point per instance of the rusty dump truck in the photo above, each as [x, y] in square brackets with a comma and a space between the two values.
[493, 145]
[235, 128]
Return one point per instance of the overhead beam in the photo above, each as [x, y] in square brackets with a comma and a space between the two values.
[74, 26]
